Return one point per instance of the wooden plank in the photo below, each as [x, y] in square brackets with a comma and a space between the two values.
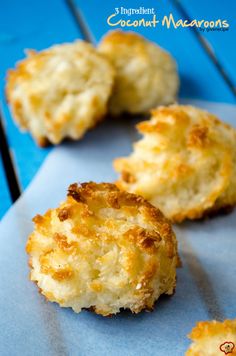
[5, 200]
[221, 43]
[199, 77]
[38, 25]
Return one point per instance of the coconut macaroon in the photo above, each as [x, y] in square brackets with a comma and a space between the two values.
[60, 92]
[103, 249]
[146, 75]
[212, 338]
[185, 164]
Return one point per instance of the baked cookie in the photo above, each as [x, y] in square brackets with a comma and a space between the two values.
[104, 250]
[146, 75]
[213, 338]
[60, 92]
[185, 164]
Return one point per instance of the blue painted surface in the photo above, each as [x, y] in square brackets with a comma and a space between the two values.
[5, 200]
[29, 24]
[222, 43]
[199, 77]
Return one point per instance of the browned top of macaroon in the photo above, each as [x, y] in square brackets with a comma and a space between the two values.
[205, 329]
[124, 38]
[108, 195]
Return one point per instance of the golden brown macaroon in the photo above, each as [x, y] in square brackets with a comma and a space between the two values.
[103, 249]
[60, 92]
[213, 338]
[185, 164]
[146, 75]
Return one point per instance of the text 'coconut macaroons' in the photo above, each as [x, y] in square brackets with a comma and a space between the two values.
[146, 75]
[185, 164]
[60, 92]
[104, 250]
[212, 338]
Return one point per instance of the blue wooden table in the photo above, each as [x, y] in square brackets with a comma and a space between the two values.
[206, 60]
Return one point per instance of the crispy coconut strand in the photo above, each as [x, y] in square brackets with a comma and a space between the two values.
[103, 249]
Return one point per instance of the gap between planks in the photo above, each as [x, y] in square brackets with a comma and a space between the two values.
[8, 164]
[207, 48]
[80, 21]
